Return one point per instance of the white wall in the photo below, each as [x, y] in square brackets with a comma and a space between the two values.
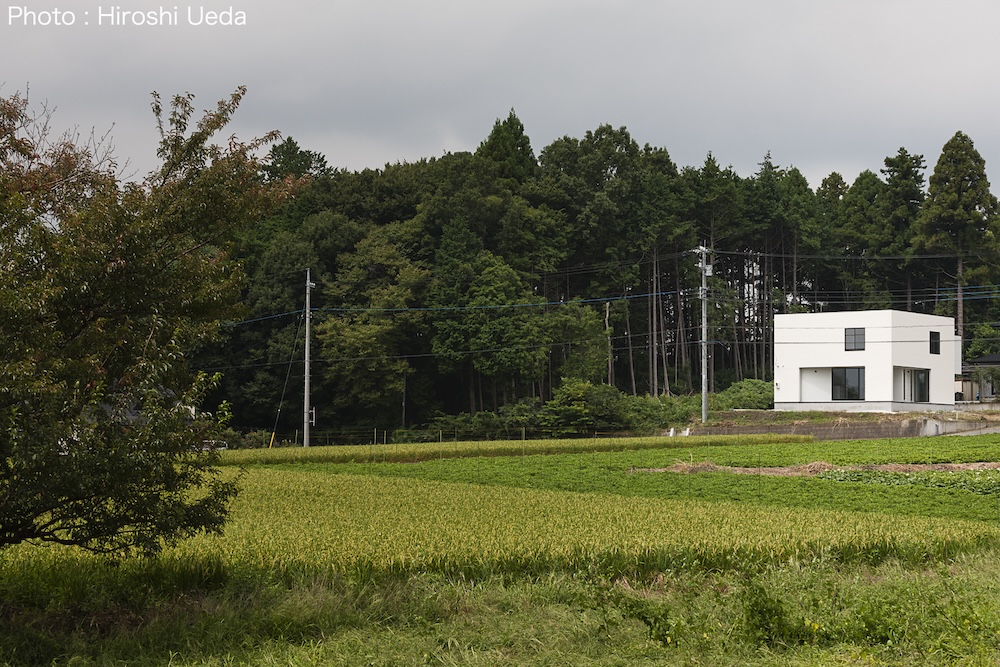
[816, 385]
[911, 349]
[816, 340]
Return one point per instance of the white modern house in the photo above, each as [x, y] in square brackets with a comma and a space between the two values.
[871, 361]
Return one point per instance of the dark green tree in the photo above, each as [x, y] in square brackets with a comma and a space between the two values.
[366, 340]
[452, 278]
[902, 200]
[597, 178]
[532, 239]
[256, 352]
[830, 217]
[106, 288]
[713, 200]
[579, 342]
[863, 237]
[660, 229]
[801, 232]
[762, 235]
[506, 332]
[507, 151]
[959, 218]
[287, 159]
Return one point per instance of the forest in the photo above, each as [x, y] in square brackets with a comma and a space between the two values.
[487, 281]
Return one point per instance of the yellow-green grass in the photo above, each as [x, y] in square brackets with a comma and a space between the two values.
[322, 565]
[412, 452]
[289, 521]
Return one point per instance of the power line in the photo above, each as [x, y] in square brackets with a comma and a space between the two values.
[263, 318]
[426, 309]
[872, 258]
[838, 297]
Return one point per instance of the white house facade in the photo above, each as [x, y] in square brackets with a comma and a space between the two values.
[871, 361]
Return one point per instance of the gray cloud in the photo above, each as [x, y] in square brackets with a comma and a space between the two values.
[823, 86]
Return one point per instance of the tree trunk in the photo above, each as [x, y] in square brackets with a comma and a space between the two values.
[795, 272]
[960, 324]
[472, 388]
[479, 389]
[631, 352]
[680, 339]
[737, 357]
[607, 333]
[662, 328]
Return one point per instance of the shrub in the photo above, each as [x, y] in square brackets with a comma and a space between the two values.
[680, 409]
[578, 406]
[746, 395]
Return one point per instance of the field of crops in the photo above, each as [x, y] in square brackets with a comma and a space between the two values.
[638, 473]
[411, 453]
[289, 520]
[326, 550]
[592, 505]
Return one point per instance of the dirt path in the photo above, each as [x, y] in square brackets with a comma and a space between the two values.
[817, 467]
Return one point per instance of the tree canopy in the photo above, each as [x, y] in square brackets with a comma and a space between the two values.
[485, 280]
[958, 218]
[106, 289]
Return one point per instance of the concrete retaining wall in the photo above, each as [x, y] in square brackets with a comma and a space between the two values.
[985, 406]
[907, 428]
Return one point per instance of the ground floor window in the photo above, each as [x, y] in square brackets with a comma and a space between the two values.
[921, 386]
[848, 384]
[916, 385]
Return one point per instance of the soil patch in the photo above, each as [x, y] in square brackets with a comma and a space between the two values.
[817, 467]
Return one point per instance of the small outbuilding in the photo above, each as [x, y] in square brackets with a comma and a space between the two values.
[980, 380]
[871, 361]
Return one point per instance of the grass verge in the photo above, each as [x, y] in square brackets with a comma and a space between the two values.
[789, 614]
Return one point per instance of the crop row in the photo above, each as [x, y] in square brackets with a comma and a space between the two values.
[291, 521]
[979, 482]
[597, 474]
[414, 452]
[965, 449]
[762, 450]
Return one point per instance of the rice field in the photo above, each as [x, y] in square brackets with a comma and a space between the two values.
[291, 521]
[414, 452]
[545, 553]
[471, 507]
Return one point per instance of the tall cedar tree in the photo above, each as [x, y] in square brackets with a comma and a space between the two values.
[959, 215]
[903, 198]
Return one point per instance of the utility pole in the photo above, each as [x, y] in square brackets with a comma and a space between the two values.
[307, 416]
[706, 271]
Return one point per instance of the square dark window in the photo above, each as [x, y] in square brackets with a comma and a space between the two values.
[848, 384]
[854, 339]
[935, 342]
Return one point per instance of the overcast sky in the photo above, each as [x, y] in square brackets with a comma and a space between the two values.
[824, 86]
